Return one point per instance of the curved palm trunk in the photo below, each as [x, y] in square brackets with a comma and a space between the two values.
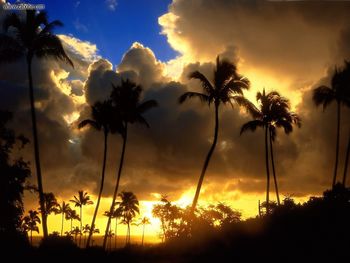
[207, 159]
[336, 146]
[62, 224]
[116, 186]
[100, 192]
[36, 149]
[346, 162]
[267, 171]
[273, 171]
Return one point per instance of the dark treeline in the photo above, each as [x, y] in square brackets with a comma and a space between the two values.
[282, 232]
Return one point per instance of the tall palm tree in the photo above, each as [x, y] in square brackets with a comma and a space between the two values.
[326, 95]
[117, 214]
[79, 201]
[144, 221]
[227, 86]
[72, 215]
[129, 207]
[63, 209]
[346, 75]
[30, 223]
[126, 101]
[273, 112]
[32, 37]
[102, 120]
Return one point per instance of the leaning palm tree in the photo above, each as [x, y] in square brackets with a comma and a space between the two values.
[102, 120]
[273, 112]
[129, 207]
[79, 201]
[30, 223]
[32, 37]
[227, 87]
[126, 101]
[326, 95]
[63, 209]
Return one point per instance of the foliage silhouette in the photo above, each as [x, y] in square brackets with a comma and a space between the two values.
[32, 37]
[227, 86]
[126, 101]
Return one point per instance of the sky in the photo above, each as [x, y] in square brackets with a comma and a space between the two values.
[285, 46]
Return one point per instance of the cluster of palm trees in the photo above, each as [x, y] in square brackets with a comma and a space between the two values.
[33, 37]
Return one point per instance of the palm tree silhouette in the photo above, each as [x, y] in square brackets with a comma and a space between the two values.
[102, 119]
[76, 231]
[63, 209]
[326, 95]
[30, 223]
[50, 204]
[32, 37]
[227, 86]
[127, 105]
[79, 201]
[346, 79]
[72, 215]
[129, 207]
[144, 221]
[274, 112]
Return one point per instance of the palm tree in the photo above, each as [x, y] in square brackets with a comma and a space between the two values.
[76, 231]
[129, 206]
[29, 38]
[79, 201]
[127, 105]
[30, 223]
[144, 221]
[326, 95]
[227, 86]
[72, 215]
[116, 215]
[346, 75]
[274, 112]
[63, 209]
[102, 119]
[50, 204]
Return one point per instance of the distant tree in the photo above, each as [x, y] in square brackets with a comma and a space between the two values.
[63, 209]
[30, 222]
[126, 99]
[32, 37]
[13, 175]
[103, 119]
[169, 216]
[51, 205]
[227, 87]
[72, 215]
[143, 222]
[75, 232]
[337, 92]
[129, 207]
[80, 201]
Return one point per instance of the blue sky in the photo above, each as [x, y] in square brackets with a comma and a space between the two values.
[113, 31]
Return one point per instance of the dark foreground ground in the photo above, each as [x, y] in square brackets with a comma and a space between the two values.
[317, 231]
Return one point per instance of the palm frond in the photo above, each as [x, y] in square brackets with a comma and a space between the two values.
[50, 27]
[323, 95]
[141, 120]
[147, 105]
[207, 86]
[191, 94]
[251, 126]
[49, 45]
[249, 106]
[92, 123]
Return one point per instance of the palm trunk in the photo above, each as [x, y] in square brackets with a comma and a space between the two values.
[267, 171]
[273, 171]
[100, 192]
[115, 233]
[128, 233]
[62, 224]
[31, 237]
[143, 234]
[36, 148]
[346, 162]
[117, 185]
[81, 223]
[207, 160]
[336, 146]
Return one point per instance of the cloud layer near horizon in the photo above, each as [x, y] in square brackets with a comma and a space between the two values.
[291, 57]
